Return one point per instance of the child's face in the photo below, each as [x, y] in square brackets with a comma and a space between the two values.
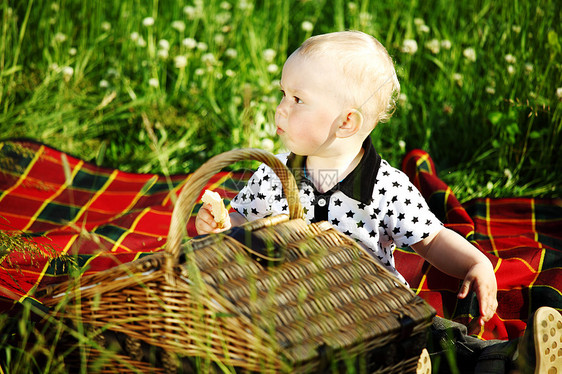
[308, 115]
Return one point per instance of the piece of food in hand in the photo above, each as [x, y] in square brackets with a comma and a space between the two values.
[217, 207]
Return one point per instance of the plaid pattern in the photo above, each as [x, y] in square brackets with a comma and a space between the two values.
[521, 236]
[104, 217]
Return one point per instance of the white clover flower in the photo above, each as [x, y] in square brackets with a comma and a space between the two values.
[135, 36]
[402, 99]
[112, 72]
[433, 45]
[190, 11]
[230, 73]
[164, 44]
[103, 83]
[231, 53]
[409, 46]
[458, 78]
[559, 93]
[490, 90]
[199, 71]
[223, 17]
[510, 59]
[225, 5]
[510, 70]
[307, 26]
[272, 68]
[55, 7]
[202, 46]
[67, 73]
[245, 5]
[209, 59]
[219, 39]
[269, 55]
[424, 29]
[446, 44]
[54, 67]
[180, 61]
[190, 43]
[105, 26]
[529, 67]
[352, 6]
[141, 42]
[469, 54]
[516, 29]
[153, 82]
[163, 54]
[402, 145]
[148, 21]
[507, 173]
[365, 17]
[59, 37]
[72, 51]
[267, 144]
[179, 26]
[489, 185]
[419, 21]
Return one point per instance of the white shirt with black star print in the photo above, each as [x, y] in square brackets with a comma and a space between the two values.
[395, 215]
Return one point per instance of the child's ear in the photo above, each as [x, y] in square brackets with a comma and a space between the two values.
[351, 124]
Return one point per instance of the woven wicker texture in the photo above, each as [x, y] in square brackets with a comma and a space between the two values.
[305, 295]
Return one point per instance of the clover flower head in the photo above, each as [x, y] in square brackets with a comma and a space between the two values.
[433, 45]
[190, 43]
[446, 44]
[67, 73]
[153, 82]
[180, 61]
[269, 54]
[178, 25]
[60, 37]
[469, 54]
[164, 44]
[105, 26]
[510, 59]
[409, 46]
[163, 54]
[307, 26]
[148, 21]
[231, 53]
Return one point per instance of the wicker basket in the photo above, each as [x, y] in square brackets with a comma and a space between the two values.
[275, 295]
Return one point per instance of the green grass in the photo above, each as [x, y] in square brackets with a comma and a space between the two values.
[482, 93]
[91, 79]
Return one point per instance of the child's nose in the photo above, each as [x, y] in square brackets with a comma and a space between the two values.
[282, 108]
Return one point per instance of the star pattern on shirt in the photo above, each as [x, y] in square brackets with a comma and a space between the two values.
[396, 215]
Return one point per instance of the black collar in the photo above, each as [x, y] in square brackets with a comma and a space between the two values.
[358, 184]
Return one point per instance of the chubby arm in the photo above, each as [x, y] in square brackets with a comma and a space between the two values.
[455, 256]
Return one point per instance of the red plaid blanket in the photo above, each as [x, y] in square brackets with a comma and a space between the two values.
[100, 217]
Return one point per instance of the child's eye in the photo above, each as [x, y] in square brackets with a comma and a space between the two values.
[297, 100]
[283, 92]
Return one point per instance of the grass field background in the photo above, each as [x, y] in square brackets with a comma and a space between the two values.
[161, 86]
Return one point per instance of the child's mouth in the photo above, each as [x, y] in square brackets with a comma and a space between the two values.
[280, 131]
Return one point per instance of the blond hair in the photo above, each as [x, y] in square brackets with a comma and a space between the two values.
[369, 77]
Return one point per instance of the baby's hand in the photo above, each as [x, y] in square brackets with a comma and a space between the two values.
[205, 222]
[482, 280]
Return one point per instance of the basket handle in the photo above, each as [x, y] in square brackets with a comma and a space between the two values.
[198, 180]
